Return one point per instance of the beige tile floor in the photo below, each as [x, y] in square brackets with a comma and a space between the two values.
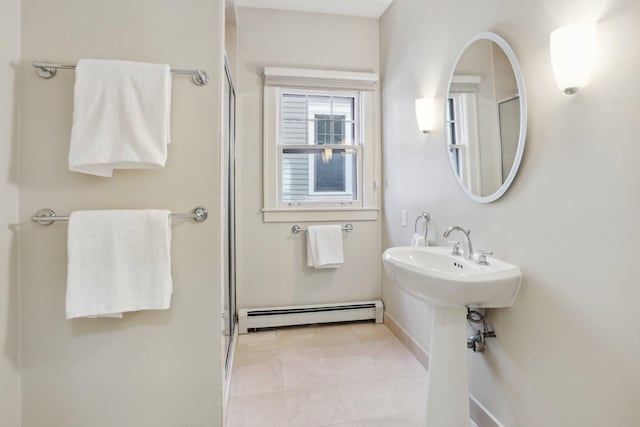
[346, 375]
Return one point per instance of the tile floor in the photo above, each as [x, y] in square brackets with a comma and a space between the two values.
[346, 375]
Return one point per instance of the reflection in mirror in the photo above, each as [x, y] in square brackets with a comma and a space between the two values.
[485, 118]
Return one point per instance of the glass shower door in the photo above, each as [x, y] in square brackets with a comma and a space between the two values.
[228, 188]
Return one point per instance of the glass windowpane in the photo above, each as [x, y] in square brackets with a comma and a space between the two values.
[317, 175]
[329, 172]
[320, 130]
[451, 128]
[455, 160]
[451, 109]
[318, 105]
[343, 107]
[295, 175]
[293, 112]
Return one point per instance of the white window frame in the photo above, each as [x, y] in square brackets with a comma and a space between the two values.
[467, 140]
[464, 90]
[366, 145]
[356, 146]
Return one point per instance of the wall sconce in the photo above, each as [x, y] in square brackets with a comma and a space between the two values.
[424, 114]
[572, 52]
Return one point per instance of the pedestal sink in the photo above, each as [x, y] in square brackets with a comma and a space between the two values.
[450, 283]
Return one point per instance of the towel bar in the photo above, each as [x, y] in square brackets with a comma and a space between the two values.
[297, 229]
[48, 70]
[48, 216]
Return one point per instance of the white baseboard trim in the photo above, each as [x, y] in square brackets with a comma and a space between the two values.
[406, 339]
[479, 413]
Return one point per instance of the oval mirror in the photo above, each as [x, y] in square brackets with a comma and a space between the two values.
[486, 117]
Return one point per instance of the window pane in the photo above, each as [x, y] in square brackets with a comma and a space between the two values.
[294, 114]
[329, 172]
[343, 108]
[455, 160]
[318, 175]
[319, 105]
[451, 109]
[295, 175]
[324, 131]
[317, 119]
[451, 128]
[343, 132]
[320, 130]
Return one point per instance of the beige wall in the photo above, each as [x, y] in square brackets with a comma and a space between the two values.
[504, 79]
[150, 368]
[272, 267]
[567, 352]
[9, 128]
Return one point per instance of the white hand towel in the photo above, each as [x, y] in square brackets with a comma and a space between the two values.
[418, 240]
[324, 246]
[119, 261]
[120, 117]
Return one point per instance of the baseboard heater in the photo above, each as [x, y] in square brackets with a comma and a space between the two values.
[272, 317]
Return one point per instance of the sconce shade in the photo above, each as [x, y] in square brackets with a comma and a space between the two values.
[424, 114]
[572, 53]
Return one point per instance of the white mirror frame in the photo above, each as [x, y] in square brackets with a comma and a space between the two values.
[523, 115]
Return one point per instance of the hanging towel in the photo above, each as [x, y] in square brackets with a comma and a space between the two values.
[324, 246]
[119, 260]
[120, 116]
[418, 240]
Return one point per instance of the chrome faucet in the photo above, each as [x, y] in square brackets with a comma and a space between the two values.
[469, 249]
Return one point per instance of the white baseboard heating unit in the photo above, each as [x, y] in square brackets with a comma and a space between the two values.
[271, 317]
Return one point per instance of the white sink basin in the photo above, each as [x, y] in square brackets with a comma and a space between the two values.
[433, 275]
[449, 283]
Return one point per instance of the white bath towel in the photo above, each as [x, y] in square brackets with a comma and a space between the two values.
[119, 261]
[324, 246]
[120, 116]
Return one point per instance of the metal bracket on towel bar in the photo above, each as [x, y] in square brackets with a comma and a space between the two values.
[297, 229]
[48, 216]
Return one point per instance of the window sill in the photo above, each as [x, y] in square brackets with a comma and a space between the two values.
[320, 214]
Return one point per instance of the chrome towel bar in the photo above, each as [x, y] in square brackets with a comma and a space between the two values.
[48, 70]
[297, 229]
[48, 216]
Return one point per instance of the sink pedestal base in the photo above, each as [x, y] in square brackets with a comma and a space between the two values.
[448, 381]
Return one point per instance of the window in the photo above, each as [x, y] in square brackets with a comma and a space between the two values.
[321, 145]
[318, 147]
[452, 133]
[464, 139]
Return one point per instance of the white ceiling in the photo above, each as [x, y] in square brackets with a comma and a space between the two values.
[364, 8]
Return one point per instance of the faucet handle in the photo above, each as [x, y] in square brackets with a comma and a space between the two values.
[455, 247]
[482, 256]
